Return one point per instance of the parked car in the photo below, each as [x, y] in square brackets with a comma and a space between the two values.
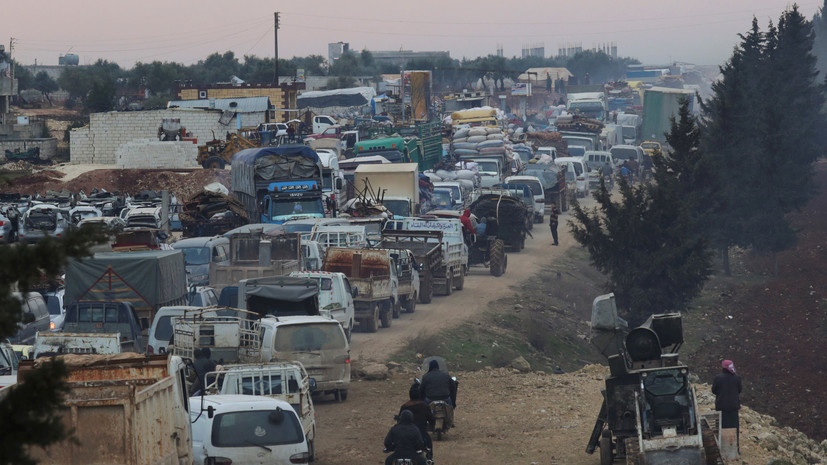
[8, 233]
[35, 318]
[43, 220]
[245, 430]
[199, 252]
[82, 212]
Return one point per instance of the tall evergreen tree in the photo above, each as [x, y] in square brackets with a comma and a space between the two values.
[649, 244]
[820, 39]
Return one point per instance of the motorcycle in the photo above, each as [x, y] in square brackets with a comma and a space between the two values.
[443, 411]
[609, 181]
[405, 461]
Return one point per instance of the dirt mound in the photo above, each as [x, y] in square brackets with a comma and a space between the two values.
[184, 183]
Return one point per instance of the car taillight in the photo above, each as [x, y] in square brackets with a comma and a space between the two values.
[51, 325]
[218, 461]
[581, 178]
[150, 350]
[541, 201]
[303, 457]
[2, 223]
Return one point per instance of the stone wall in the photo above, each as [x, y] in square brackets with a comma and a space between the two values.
[154, 154]
[48, 147]
[107, 132]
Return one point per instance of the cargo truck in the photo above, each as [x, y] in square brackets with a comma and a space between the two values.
[660, 104]
[277, 184]
[148, 280]
[257, 254]
[397, 186]
[127, 409]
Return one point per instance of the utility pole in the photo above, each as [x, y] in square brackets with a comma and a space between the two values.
[276, 25]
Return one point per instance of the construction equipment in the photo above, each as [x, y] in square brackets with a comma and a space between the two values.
[650, 412]
[219, 153]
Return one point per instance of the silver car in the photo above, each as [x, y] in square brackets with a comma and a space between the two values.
[7, 232]
[43, 220]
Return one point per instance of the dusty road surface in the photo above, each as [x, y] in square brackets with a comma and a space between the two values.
[469, 303]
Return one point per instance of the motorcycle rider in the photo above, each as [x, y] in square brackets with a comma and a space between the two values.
[438, 385]
[422, 417]
[404, 440]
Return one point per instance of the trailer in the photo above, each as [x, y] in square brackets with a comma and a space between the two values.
[427, 251]
[127, 409]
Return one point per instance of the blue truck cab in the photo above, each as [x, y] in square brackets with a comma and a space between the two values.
[278, 184]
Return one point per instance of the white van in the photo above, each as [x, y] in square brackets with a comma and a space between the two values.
[595, 161]
[246, 430]
[577, 174]
[533, 183]
[161, 330]
[316, 342]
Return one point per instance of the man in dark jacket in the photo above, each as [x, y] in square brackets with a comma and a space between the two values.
[553, 218]
[202, 364]
[727, 390]
[436, 384]
[422, 416]
[404, 440]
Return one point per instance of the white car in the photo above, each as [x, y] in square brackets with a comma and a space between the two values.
[533, 183]
[577, 174]
[246, 430]
[43, 220]
[57, 312]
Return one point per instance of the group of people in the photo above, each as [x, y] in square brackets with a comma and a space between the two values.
[410, 435]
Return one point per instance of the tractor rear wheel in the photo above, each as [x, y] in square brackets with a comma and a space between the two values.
[214, 162]
[497, 258]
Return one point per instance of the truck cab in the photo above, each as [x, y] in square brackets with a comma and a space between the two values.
[108, 317]
[322, 122]
[290, 200]
[490, 170]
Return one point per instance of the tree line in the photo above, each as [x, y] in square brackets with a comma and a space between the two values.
[100, 86]
[728, 178]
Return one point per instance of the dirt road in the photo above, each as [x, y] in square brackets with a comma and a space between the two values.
[480, 289]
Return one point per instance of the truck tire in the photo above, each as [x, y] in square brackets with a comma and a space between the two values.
[497, 258]
[606, 456]
[410, 305]
[372, 323]
[426, 290]
[460, 282]
[397, 308]
[386, 316]
[449, 282]
[311, 450]
[214, 162]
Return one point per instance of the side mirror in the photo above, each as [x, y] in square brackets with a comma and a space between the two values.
[144, 323]
[339, 184]
[312, 383]
[28, 317]
[210, 411]
[420, 266]
[354, 291]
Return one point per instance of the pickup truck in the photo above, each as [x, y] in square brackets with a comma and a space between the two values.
[451, 275]
[286, 381]
[257, 255]
[407, 271]
[124, 409]
[426, 247]
[374, 272]
[49, 344]
[335, 297]
[279, 296]
[98, 318]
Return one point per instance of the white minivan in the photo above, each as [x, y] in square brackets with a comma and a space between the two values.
[533, 183]
[249, 430]
[316, 342]
[577, 174]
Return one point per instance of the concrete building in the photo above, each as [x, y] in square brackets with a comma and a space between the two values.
[336, 50]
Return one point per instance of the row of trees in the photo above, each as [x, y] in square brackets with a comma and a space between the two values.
[96, 86]
[729, 179]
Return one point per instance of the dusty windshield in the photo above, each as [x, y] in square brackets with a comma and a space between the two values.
[256, 428]
[309, 337]
[196, 255]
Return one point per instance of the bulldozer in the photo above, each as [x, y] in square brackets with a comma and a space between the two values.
[650, 412]
[218, 153]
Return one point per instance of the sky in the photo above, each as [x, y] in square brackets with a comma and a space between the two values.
[186, 31]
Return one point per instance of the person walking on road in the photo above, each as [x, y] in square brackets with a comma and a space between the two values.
[552, 222]
[727, 390]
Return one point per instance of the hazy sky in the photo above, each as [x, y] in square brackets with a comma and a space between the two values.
[185, 31]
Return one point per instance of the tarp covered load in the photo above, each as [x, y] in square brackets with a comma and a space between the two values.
[148, 280]
[353, 97]
[282, 296]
